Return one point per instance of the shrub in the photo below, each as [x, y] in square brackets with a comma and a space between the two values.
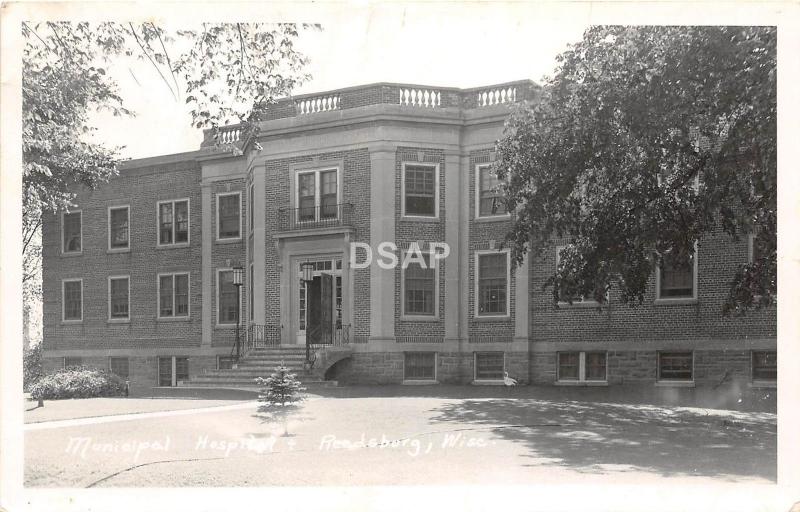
[31, 366]
[77, 382]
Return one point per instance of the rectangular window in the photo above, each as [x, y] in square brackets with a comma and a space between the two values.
[582, 366]
[419, 286]
[250, 209]
[489, 365]
[676, 278]
[73, 300]
[73, 362]
[420, 366]
[118, 298]
[229, 219]
[490, 197]
[568, 366]
[118, 228]
[492, 284]
[675, 366]
[765, 365]
[119, 366]
[226, 298]
[173, 222]
[595, 366]
[317, 195]
[172, 370]
[419, 195]
[563, 298]
[173, 295]
[72, 229]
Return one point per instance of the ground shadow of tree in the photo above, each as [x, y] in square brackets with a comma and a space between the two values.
[608, 437]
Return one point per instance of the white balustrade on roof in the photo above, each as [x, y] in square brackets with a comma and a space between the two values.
[497, 96]
[317, 104]
[420, 97]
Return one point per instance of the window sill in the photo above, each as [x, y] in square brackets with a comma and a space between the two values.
[770, 384]
[675, 302]
[118, 251]
[581, 304]
[118, 321]
[419, 318]
[173, 319]
[73, 254]
[492, 318]
[236, 240]
[419, 218]
[419, 382]
[227, 326]
[675, 384]
[173, 246]
[493, 218]
[71, 322]
[584, 383]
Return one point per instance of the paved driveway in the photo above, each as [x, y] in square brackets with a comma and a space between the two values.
[407, 440]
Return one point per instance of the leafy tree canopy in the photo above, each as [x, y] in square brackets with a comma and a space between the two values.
[222, 71]
[645, 140]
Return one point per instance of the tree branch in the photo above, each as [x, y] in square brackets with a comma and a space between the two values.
[136, 37]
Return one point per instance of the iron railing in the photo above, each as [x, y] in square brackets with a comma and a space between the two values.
[316, 339]
[261, 336]
[312, 217]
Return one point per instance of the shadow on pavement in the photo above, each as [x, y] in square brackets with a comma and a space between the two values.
[610, 438]
[756, 400]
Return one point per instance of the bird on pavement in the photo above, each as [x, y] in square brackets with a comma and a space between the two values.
[508, 381]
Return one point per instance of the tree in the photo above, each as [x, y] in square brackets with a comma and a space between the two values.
[644, 140]
[226, 71]
[281, 394]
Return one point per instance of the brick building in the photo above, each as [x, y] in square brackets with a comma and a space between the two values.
[138, 278]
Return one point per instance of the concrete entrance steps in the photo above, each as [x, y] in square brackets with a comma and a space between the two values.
[260, 363]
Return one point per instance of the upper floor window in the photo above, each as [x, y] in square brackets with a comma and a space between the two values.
[227, 298]
[118, 228]
[119, 298]
[317, 195]
[229, 220]
[419, 288]
[72, 300]
[250, 201]
[492, 283]
[420, 186]
[173, 222]
[489, 195]
[677, 279]
[173, 295]
[71, 226]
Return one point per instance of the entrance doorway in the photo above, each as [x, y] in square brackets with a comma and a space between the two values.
[320, 302]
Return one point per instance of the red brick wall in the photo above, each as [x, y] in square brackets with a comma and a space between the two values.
[718, 258]
[141, 188]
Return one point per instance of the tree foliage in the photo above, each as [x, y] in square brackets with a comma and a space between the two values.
[222, 71]
[644, 141]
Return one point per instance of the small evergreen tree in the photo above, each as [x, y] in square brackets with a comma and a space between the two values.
[281, 394]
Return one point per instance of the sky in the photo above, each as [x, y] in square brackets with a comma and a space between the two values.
[453, 46]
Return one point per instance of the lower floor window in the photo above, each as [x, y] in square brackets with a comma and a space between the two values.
[765, 365]
[675, 365]
[420, 366]
[119, 366]
[582, 366]
[70, 362]
[225, 362]
[172, 370]
[489, 365]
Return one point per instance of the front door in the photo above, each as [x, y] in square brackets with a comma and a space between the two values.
[320, 301]
[319, 319]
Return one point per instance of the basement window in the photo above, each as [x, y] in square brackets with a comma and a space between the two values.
[419, 366]
[582, 367]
